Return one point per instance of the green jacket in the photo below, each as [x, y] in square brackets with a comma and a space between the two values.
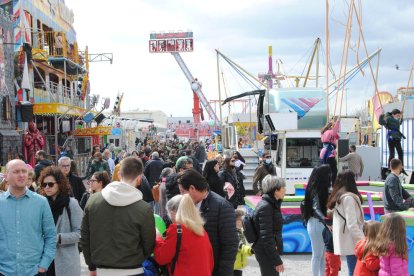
[118, 228]
[243, 252]
[96, 166]
[392, 125]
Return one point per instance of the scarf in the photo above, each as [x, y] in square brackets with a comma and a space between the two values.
[58, 205]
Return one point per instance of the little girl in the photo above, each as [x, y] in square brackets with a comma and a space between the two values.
[367, 263]
[391, 247]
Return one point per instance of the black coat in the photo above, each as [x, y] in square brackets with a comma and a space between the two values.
[171, 186]
[41, 165]
[200, 154]
[77, 186]
[220, 226]
[216, 184]
[268, 221]
[153, 170]
[196, 164]
[146, 190]
[237, 182]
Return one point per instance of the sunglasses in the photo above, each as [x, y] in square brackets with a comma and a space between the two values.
[49, 184]
[93, 180]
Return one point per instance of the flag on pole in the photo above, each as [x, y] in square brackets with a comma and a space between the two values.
[26, 78]
[19, 91]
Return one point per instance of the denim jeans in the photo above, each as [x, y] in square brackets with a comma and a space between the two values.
[351, 261]
[315, 228]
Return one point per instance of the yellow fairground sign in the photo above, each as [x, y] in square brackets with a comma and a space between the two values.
[50, 109]
[100, 130]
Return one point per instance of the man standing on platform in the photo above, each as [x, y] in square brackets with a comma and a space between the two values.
[354, 160]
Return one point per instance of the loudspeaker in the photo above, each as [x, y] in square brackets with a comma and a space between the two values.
[27, 112]
[98, 119]
[343, 147]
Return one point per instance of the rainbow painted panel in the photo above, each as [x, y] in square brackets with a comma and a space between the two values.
[308, 103]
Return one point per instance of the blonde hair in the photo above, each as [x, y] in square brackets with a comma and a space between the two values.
[31, 174]
[3, 185]
[189, 216]
[371, 231]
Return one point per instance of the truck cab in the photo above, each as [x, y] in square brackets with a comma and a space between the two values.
[292, 119]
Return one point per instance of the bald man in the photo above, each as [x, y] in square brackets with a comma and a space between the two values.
[26, 225]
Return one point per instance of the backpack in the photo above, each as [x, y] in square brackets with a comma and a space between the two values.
[250, 231]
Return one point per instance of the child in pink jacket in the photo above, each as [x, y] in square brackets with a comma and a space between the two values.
[391, 247]
[329, 138]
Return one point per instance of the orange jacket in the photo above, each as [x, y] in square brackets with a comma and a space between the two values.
[368, 267]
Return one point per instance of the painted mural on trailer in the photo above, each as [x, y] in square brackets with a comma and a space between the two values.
[308, 103]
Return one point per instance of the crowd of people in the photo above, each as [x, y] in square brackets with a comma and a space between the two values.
[48, 216]
[333, 215]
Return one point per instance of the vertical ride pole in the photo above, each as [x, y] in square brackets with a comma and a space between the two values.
[327, 59]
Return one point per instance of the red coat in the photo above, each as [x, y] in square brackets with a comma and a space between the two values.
[195, 257]
[370, 266]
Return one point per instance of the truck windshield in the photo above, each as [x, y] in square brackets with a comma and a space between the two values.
[302, 152]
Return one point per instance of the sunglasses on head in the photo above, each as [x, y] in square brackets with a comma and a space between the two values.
[49, 184]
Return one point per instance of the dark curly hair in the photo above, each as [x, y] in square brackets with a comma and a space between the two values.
[60, 178]
[102, 177]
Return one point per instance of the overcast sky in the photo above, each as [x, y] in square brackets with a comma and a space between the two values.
[242, 30]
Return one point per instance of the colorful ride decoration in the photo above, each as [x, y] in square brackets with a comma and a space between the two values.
[94, 131]
[308, 103]
[295, 235]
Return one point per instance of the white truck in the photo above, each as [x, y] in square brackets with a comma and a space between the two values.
[293, 118]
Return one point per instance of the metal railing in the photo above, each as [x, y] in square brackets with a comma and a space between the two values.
[59, 94]
[56, 45]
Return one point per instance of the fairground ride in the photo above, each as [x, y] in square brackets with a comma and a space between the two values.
[176, 43]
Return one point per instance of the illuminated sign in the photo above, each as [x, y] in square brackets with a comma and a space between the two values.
[171, 35]
[171, 42]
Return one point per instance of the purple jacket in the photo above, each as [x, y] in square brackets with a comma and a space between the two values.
[393, 265]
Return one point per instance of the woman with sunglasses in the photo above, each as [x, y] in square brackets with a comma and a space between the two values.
[97, 182]
[67, 216]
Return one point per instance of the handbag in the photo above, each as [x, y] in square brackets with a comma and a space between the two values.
[151, 267]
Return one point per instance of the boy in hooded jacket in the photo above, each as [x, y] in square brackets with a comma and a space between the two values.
[244, 249]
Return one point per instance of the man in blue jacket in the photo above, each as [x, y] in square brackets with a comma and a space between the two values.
[27, 229]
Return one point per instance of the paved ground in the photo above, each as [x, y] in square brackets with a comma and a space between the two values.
[295, 265]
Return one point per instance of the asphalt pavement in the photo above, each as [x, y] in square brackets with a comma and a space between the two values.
[295, 265]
